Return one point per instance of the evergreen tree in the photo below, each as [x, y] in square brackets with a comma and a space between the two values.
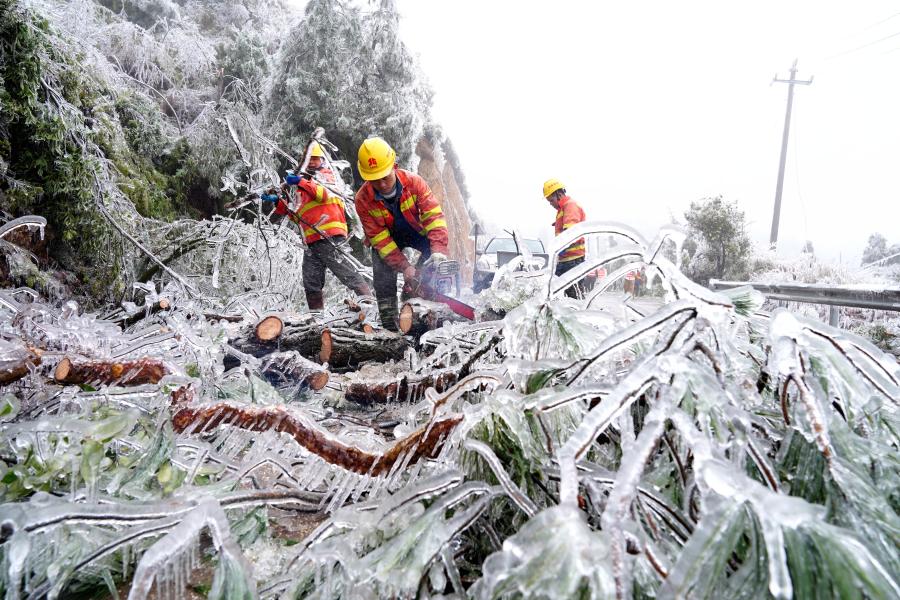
[346, 69]
[717, 244]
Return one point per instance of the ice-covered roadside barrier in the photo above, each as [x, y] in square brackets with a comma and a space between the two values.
[703, 449]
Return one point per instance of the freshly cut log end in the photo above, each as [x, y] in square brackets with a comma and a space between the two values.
[269, 328]
[164, 304]
[319, 380]
[406, 318]
[62, 370]
[368, 328]
[327, 345]
[132, 372]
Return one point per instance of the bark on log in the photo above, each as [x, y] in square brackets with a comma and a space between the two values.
[418, 316]
[217, 317]
[303, 335]
[408, 387]
[344, 348]
[182, 396]
[131, 372]
[424, 442]
[291, 368]
[18, 363]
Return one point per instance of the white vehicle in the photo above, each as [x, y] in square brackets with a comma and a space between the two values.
[498, 252]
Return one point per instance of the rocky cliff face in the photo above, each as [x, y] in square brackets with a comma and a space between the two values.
[444, 181]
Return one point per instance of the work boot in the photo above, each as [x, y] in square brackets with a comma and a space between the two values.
[315, 301]
[387, 310]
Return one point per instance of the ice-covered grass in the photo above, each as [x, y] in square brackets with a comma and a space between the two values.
[708, 448]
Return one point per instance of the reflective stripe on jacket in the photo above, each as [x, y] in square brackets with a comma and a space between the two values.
[418, 206]
[568, 214]
[315, 201]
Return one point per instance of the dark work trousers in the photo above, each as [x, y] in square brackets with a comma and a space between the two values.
[580, 288]
[321, 255]
[386, 284]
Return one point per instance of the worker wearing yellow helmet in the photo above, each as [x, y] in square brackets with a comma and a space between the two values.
[397, 210]
[317, 165]
[568, 213]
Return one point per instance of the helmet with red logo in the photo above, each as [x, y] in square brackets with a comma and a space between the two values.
[376, 159]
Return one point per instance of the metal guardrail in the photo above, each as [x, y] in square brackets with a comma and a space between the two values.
[887, 298]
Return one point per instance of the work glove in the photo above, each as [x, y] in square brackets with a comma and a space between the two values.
[409, 274]
[292, 179]
[436, 258]
[269, 199]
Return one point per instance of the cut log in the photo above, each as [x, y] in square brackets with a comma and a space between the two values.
[418, 316]
[132, 372]
[344, 348]
[425, 442]
[160, 305]
[17, 362]
[301, 334]
[409, 387]
[291, 369]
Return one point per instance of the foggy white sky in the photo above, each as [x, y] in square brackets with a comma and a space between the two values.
[642, 107]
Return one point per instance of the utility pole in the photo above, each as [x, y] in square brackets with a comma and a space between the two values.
[773, 236]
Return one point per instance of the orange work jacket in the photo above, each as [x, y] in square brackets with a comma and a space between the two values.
[568, 214]
[418, 206]
[315, 201]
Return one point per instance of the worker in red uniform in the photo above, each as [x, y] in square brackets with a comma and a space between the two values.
[397, 210]
[322, 221]
[568, 213]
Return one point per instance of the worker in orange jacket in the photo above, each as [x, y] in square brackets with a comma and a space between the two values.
[397, 210]
[314, 206]
[568, 213]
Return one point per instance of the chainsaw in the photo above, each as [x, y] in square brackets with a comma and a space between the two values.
[435, 281]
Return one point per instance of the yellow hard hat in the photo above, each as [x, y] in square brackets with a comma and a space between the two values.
[376, 159]
[316, 150]
[551, 185]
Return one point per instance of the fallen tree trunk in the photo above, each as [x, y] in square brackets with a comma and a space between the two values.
[344, 348]
[131, 372]
[407, 388]
[17, 363]
[425, 442]
[418, 316]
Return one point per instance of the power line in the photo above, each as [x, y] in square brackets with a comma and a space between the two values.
[885, 20]
[864, 46]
